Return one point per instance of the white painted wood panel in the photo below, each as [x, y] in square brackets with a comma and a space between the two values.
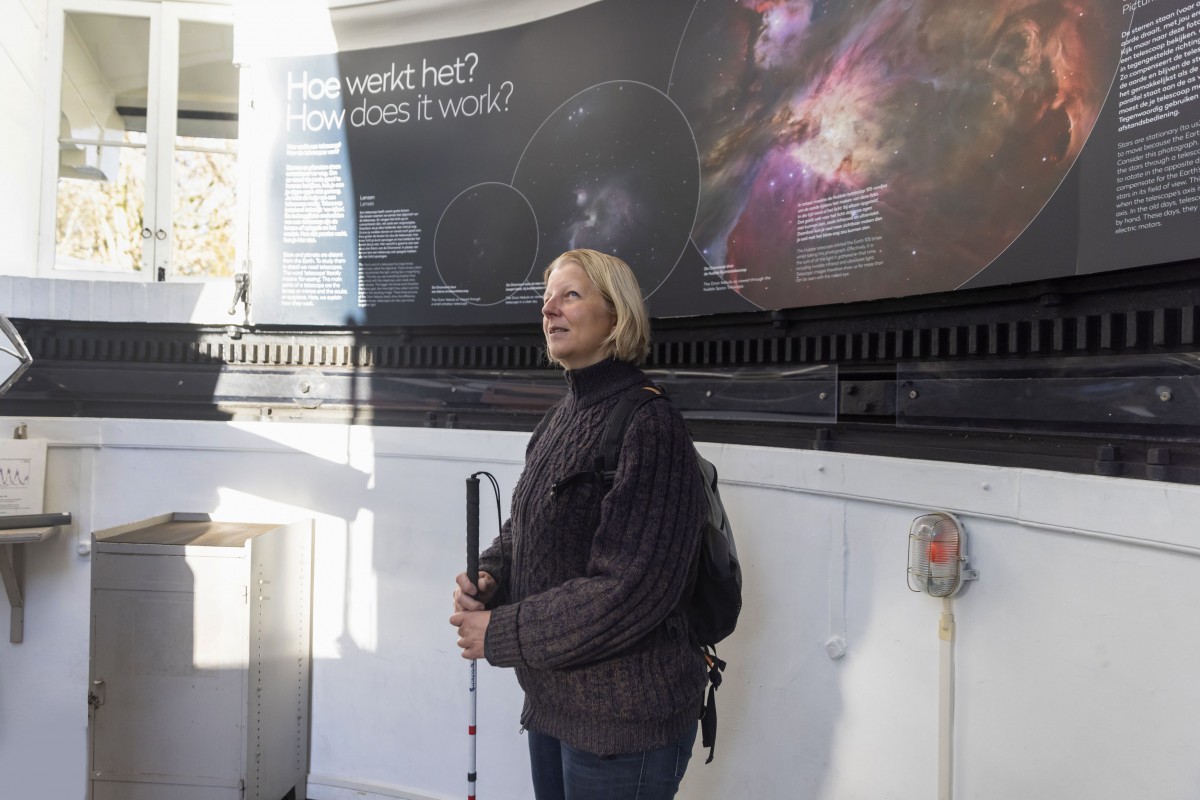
[1075, 653]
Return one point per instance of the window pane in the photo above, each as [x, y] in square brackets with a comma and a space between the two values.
[205, 171]
[102, 144]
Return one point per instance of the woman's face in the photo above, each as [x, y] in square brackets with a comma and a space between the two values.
[576, 318]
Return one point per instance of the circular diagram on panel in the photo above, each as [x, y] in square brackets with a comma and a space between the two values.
[614, 169]
[485, 247]
[882, 148]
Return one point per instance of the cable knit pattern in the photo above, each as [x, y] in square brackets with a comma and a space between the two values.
[590, 583]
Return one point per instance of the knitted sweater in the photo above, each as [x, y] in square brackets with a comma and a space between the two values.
[587, 607]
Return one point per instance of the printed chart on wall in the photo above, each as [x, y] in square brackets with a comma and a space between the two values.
[739, 155]
[22, 476]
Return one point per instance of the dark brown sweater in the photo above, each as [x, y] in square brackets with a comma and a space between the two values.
[590, 582]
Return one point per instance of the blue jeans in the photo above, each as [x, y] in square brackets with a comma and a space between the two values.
[561, 772]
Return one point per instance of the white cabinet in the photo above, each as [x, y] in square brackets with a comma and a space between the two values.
[200, 660]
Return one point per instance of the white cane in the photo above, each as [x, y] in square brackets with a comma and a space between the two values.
[473, 576]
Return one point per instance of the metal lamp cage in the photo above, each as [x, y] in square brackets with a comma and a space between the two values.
[936, 554]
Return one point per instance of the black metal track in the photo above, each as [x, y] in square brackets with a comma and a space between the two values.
[1141, 324]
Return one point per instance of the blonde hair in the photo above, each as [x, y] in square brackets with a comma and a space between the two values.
[630, 337]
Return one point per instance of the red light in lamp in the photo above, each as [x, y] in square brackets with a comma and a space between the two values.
[943, 552]
[936, 545]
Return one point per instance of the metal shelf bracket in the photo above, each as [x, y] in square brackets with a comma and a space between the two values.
[15, 532]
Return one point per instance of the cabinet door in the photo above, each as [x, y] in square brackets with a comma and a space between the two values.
[168, 669]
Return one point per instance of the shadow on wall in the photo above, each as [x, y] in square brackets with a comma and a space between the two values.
[781, 697]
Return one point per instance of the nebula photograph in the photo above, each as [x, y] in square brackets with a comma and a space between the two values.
[877, 148]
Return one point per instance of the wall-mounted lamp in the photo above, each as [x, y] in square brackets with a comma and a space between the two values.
[937, 561]
[937, 555]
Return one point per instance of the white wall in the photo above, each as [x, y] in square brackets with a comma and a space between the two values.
[1076, 649]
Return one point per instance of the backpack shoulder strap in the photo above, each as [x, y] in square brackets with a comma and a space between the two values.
[618, 422]
[604, 468]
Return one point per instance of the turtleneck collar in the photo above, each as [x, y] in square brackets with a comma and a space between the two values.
[601, 380]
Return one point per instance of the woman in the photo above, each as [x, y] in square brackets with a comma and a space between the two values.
[581, 591]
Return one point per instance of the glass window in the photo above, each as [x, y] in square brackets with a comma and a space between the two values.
[147, 141]
[205, 163]
[101, 153]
